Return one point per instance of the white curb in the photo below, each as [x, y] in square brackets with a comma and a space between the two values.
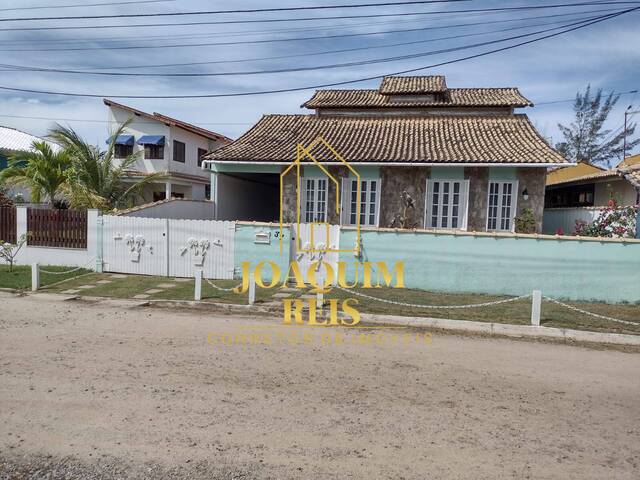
[507, 330]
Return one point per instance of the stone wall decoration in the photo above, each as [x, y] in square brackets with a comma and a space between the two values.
[198, 249]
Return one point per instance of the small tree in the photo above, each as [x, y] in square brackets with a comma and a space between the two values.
[586, 138]
[42, 170]
[9, 251]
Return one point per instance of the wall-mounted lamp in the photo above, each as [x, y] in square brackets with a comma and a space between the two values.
[525, 194]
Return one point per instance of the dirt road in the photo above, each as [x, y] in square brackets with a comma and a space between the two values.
[105, 391]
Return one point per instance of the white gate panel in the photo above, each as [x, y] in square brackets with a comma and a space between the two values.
[201, 244]
[135, 245]
[322, 239]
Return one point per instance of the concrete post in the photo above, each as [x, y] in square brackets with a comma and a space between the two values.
[35, 277]
[167, 190]
[252, 290]
[536, 307]
[99, 243]
[198, 289]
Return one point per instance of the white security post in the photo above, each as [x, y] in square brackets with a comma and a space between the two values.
[198, 290]
[35, 277]
[536, 307]
[252, 290]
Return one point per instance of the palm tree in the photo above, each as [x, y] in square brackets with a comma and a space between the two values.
[42, 170]
[97, 179]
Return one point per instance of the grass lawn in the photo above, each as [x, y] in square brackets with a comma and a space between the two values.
[518, 312]
[139, 284]
[20, 277]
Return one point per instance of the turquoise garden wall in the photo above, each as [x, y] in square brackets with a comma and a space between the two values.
[507, 264]
[248, 250]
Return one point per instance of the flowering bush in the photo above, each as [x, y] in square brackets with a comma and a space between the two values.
[613, 222]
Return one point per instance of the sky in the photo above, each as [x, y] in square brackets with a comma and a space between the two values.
[604, 55]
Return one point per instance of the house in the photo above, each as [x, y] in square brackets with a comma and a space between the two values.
[13, 141]
[586, 185]
[167, 145]
[428, 156]
[580, 192]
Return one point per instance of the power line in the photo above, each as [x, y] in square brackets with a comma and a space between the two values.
[327, 52]
[112, 121]
[306, 19]
[238, 42]
[317, 67]
[332, 84]
[78, 5]
[333, 26]
[573, 99]
[221, 12]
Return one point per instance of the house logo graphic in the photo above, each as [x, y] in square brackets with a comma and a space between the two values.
[304, 156]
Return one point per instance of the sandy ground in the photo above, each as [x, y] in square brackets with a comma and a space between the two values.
[112, 392]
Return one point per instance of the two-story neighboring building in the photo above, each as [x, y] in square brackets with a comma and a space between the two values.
[429, 156]
[167, 145]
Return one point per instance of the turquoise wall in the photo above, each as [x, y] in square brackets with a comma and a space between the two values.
[576, 270]
[246, 250]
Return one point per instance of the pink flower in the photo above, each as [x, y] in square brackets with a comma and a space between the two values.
[560, 231]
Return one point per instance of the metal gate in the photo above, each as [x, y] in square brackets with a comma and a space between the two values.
[163, 247]
[317, 237]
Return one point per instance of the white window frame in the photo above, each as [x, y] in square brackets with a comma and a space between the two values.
[316, 211]
[513, 206]
[347, 190]
[463, 208]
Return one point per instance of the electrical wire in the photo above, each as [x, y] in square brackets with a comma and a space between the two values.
[330, 84]
[332, 26]
[236, 11]
[305, 19]
[235, 42]
[314, 67]
[79, 5]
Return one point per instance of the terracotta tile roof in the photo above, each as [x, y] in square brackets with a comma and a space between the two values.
[413, 85]
[170, 121]
[632, 175]
[455, 97]
[430, 139]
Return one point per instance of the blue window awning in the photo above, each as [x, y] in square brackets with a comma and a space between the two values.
[122, 140]
[151, 140]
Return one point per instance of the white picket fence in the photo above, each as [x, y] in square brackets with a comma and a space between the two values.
[165, 247]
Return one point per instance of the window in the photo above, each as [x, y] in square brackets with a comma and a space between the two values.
[501, 205]
[154, 152]
[201, 153]
[447, 204]
[207, 192]
[314, 208]
[122, 151]
[369, 201]
[178, 151]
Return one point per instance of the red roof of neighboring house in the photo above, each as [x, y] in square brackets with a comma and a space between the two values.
[170, 121]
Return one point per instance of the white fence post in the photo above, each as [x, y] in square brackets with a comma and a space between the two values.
[252, 290]
[198, 291]
[35, 277]
[536, 307]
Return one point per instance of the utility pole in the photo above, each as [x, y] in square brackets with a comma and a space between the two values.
[626, 116]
